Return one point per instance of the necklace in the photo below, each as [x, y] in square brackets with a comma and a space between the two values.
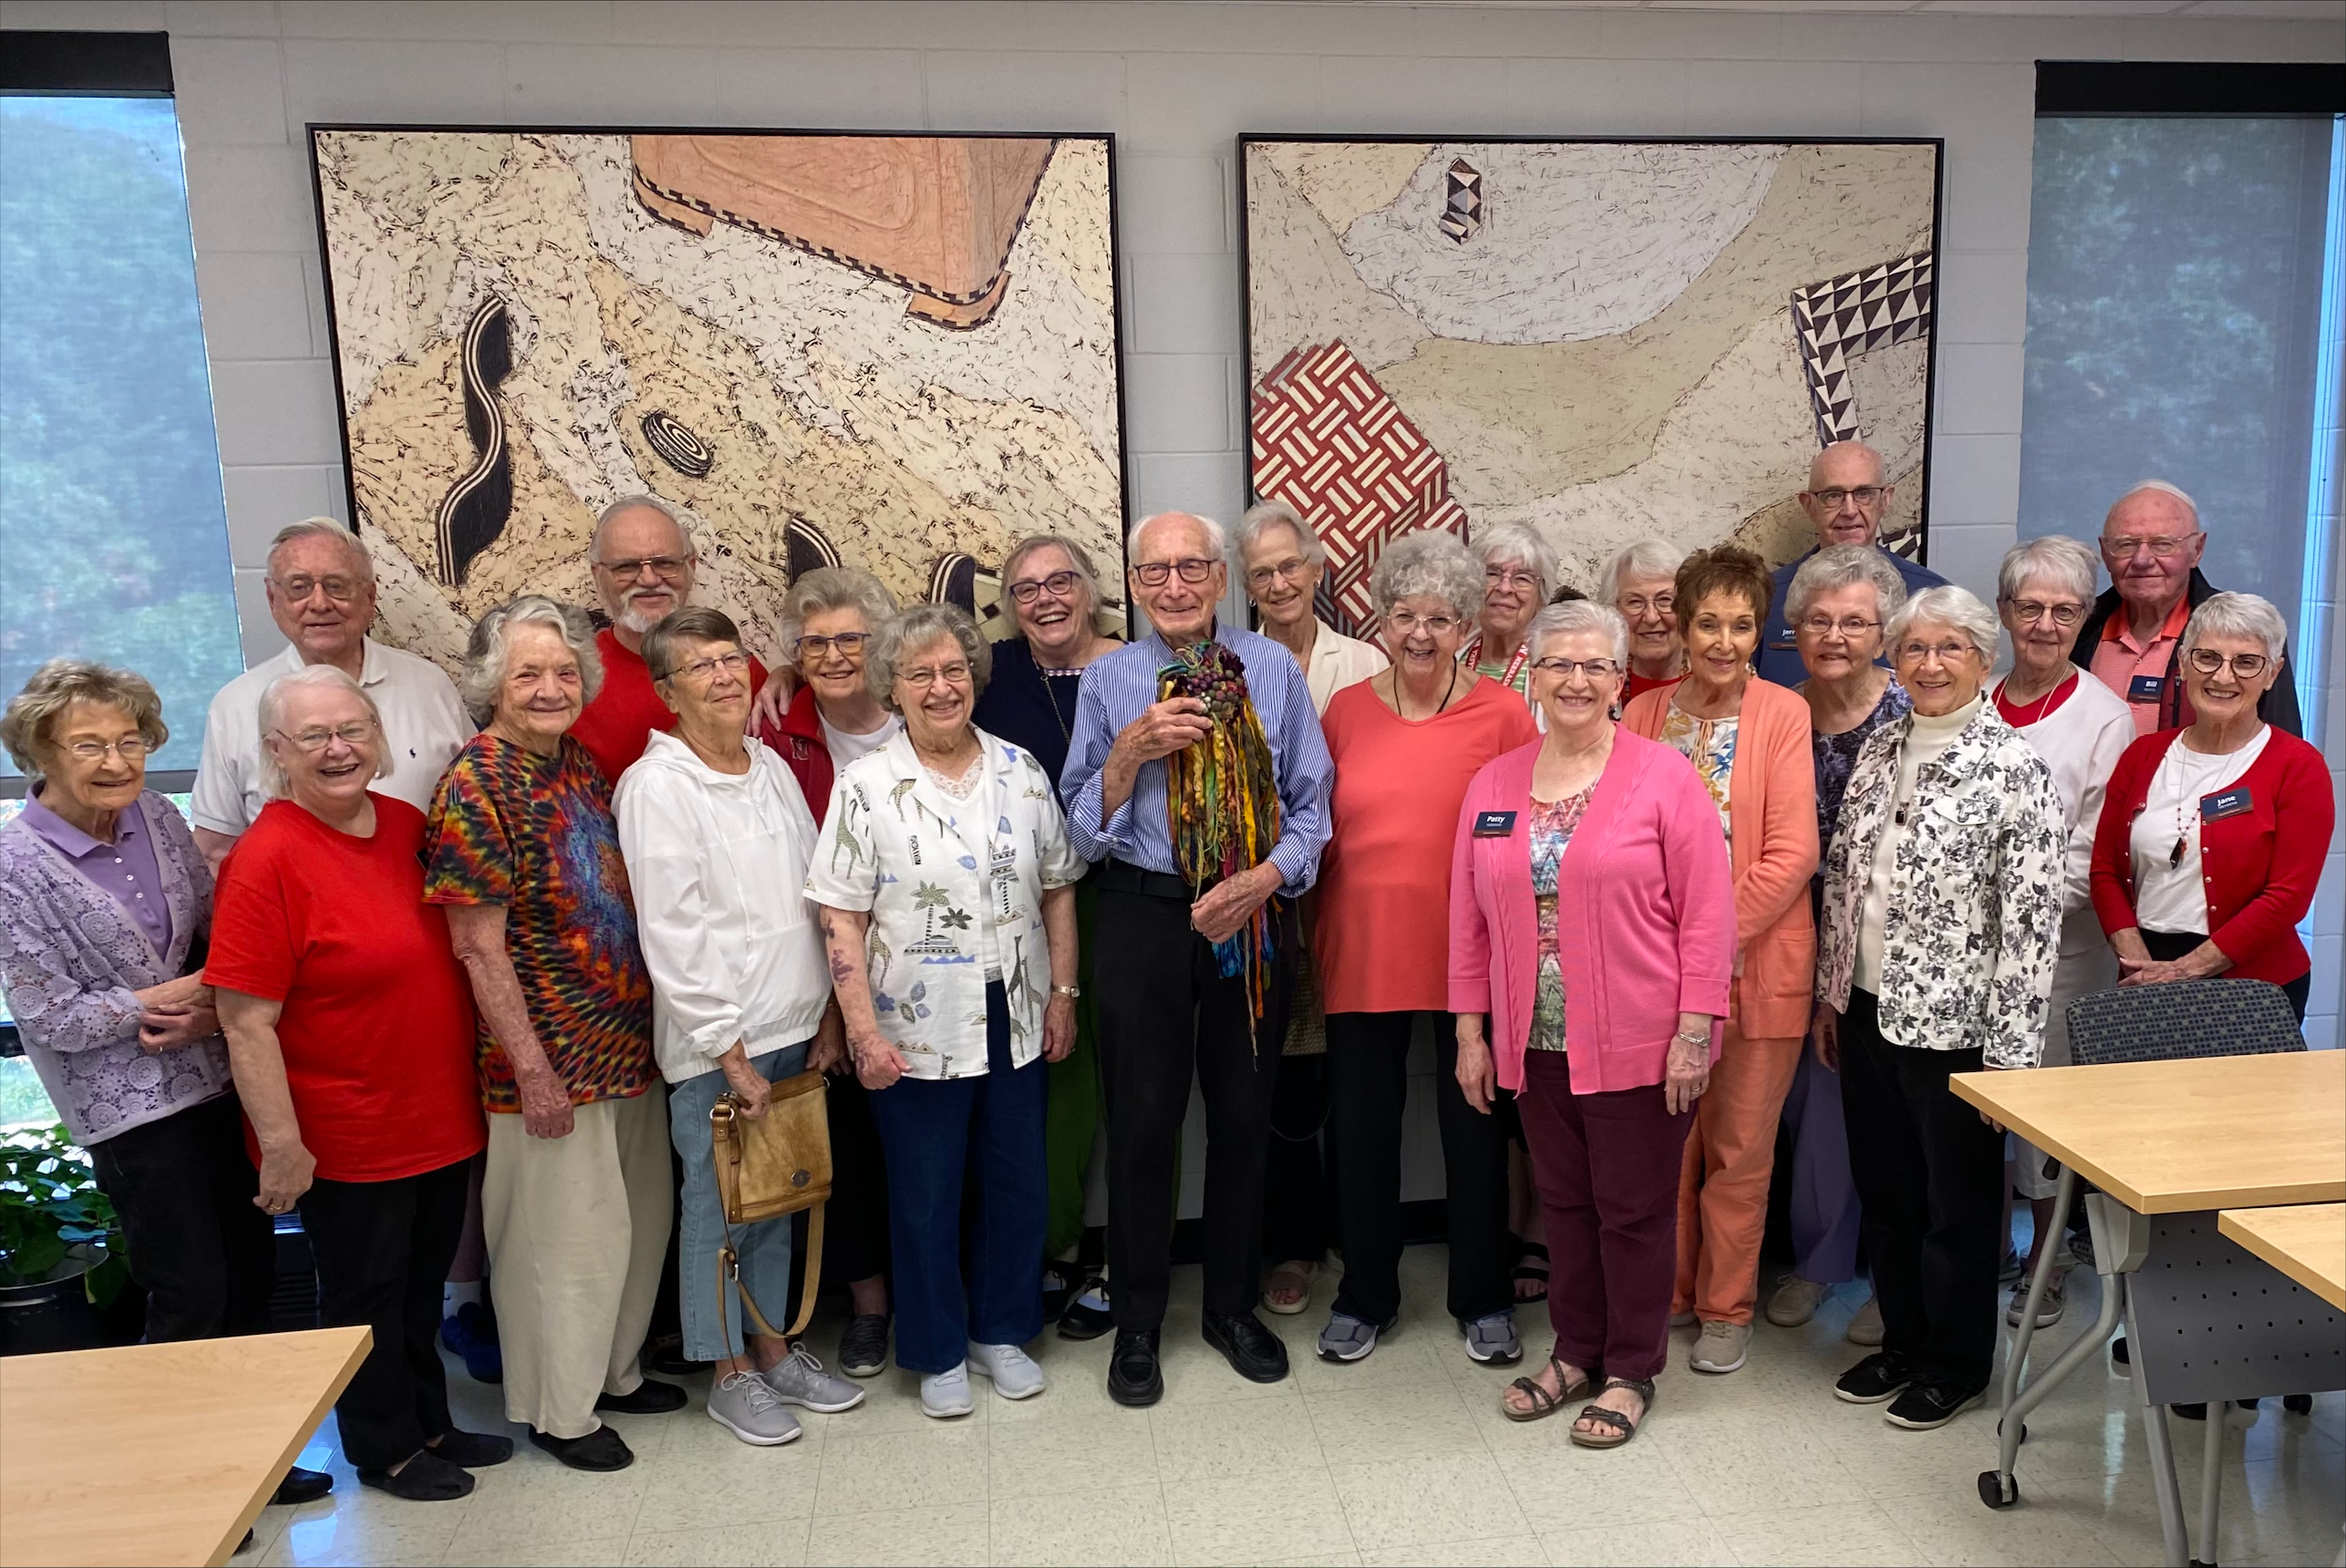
[2026, 717]
[1447, 692]
[1051, 696]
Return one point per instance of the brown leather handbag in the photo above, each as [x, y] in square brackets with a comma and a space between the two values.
[776, 1165]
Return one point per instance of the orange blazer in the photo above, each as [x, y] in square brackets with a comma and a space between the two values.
[1772, 801]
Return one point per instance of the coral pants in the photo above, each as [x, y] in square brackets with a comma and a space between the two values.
[1722, 1194]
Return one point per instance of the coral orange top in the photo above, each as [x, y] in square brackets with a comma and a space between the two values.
[1382, 940]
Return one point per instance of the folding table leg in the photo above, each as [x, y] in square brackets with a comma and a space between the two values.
[2211, 1483]
[2162, 1451]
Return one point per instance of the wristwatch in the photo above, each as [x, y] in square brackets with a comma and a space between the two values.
[1070, 992]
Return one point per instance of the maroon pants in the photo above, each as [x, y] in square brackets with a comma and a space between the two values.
[1608, 1171]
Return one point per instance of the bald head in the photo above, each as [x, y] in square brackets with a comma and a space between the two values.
[1846, 495]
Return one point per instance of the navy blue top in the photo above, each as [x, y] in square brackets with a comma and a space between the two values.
[1031, 711]
[1779, 658]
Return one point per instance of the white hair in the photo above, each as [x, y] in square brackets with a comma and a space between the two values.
[1839, 566]
[646, 502]
[1513, 544]
[2158, 487]
[2067, 562]
[2238, 615]
[1578, 615]
[325, 527]
[487, 653]
[1947, 605]
[1429, 563]
[1646, 558]
[827, 588]
[1266, 514]
[1217, 538]
[274, 782]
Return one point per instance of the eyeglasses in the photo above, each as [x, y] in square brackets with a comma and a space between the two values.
[1865, 496]
[1946, 653]
[2209, 661]
[954, 673]
[1596, 669]
[735, 662]
[1059, 585]
[1850, 626]
[1636, 605]
[2165, 546]
[849, 644]
[130, 749]
[355, 733]
[670, 567]
[341, 590]
[1408, 623]
[1154, 573]
[1509, 577]
[1291, 570]
[2027, 612]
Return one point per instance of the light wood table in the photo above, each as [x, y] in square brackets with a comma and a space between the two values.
[2307, 1243]
[158, 1454]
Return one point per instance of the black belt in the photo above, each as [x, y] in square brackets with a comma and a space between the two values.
[1122, 876]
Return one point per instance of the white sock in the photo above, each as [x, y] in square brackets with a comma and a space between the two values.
[456, 1294]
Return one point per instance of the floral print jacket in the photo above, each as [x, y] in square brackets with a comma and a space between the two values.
[1974, 908]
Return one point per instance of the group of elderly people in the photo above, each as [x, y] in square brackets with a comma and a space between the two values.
[500, 945]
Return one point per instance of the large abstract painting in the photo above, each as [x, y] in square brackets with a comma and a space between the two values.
[1605, 340]
[892, 352]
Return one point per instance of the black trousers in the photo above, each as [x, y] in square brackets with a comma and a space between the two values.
[856, 1222]
[206, 1257]
[1297, 1202]
[2166, 946]
[1166, 1015]
[1368, 1069]
[1930, 1176]
[383, 1250]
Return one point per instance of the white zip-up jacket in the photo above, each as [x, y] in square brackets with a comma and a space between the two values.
[718, 863]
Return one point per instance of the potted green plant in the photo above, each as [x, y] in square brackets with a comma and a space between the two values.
[61, 1257]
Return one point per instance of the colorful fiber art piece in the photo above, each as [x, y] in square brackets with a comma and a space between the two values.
[1221, 802]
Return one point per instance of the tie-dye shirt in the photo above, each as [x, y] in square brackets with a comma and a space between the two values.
[536, 835]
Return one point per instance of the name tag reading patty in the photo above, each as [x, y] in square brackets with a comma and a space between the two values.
[1494, 824]
[2146, 688]
[2227, 803]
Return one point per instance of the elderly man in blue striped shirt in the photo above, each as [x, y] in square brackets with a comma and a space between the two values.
[1188, 978]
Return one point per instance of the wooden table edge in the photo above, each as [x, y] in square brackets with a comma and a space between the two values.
[2229, 1223]
[351, 1361]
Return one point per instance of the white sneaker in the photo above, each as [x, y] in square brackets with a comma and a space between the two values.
[1796, 1301]
[1012, 1371]
[1866, 1327]
[945, 1395]
[1721, 1346]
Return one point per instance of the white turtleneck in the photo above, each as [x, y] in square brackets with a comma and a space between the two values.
[1926, 736]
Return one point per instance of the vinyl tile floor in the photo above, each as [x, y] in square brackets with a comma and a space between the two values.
[1401, 1458]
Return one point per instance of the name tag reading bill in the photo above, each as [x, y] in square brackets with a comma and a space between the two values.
[1494, 824]
[2226, 803]
[2146, 688]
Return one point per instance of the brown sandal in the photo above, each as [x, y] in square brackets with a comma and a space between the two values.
[1544, 1404]
[1624, 1428]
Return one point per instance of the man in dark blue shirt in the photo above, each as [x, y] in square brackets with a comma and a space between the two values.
[1846, 495]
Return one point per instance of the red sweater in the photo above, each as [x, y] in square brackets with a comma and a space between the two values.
[798, 741]
[2261, 866]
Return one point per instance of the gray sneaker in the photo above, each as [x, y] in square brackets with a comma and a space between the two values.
[799, 1380]
[742, 1404]
[1351, 1338]
[1492, 1340]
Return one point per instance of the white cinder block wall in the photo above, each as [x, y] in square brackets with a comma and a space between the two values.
[1175, 82]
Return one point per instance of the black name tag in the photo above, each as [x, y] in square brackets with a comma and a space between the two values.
[2226, 803]
[1494, 824]
[2146, 688]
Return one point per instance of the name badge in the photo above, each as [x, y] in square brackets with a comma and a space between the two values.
[1783, 640]
[2146, 688]
[1494, 824]
[2228, 803]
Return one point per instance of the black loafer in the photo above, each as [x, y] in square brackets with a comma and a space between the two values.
[472, 1450]
[1135, 1377]
[651, 1398]
[1256, 1353]
[301, 1486]
[1080, 1321]
[600, 1449]
[426, 1478]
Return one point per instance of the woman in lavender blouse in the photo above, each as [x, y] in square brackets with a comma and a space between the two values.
[105, 907]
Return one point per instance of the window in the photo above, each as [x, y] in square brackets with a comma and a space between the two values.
[113, 532]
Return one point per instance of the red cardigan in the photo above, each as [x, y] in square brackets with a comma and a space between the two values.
[2261, 867]
[798, 741]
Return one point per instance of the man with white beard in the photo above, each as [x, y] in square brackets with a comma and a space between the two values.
[643, 563]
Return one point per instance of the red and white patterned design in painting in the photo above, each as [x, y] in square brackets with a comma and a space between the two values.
[1330, 443]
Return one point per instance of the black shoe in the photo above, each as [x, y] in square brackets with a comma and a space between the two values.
[651, 1398]
[1876, 1380]
[427, 1478]
[1061, 1282]
[864, 1347]
[1134, 1374]
[1256, 1353]
[1925, 1407]
[1080, 1319]
[2297, 1403]
[663, 1354]
[2120, 1362]
[473, 1451]
[600, 1449]
[301, 1486]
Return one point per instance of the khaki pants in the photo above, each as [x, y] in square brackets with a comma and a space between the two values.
[577, 1228]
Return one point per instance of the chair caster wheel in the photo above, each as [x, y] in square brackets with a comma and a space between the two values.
[1998, 1490]
[2297, 1403]
[2024, 1430]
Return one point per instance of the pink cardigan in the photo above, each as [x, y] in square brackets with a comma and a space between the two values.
[1646, 906]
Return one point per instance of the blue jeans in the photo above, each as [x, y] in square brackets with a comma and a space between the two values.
[713, 1328]
[926, 1127]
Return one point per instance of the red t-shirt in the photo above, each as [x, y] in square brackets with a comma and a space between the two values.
[617, 726]
[2020, 715]
[377, 1022]
[1640, 685]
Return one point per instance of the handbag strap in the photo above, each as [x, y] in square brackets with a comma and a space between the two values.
[729, 1269]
